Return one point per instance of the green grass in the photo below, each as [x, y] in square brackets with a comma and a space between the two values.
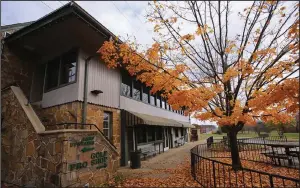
[290, 136]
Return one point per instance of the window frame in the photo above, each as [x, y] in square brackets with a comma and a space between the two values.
[45, 90]
[110, 126]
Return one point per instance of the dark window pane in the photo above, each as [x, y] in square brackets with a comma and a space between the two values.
[105, 124]
[146, 94]
[137, 90]
[52, 74]
[159, 133]
[176, 132]
[68, 68]
[181, 131]
[105, 132]
[141, 134]
[126, 84]
[151, 134]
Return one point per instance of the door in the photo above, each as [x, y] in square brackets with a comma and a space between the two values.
[166, 139]
[170, 137]
[130, 140]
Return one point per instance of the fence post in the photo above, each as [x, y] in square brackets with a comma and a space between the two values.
[214, 174]
[193, 165]
[271, 180]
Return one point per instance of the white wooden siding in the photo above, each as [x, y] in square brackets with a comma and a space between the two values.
[101, 78]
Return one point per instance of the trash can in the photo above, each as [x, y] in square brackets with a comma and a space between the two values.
[135, 159]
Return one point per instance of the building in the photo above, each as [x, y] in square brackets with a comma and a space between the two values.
[67, 99]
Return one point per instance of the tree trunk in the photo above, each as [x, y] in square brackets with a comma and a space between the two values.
[236, 162]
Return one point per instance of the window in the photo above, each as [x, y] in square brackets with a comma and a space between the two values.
[146, 91]
[68, 68]
[126, 84]
[61, 70]
[181, 131]
[151, 133]
[163, 103]
[107, 120]
[141, 133]
[152, 99]
[159, 133]
[137, 90]
[176, 132]
[158, 100]
[52, 74]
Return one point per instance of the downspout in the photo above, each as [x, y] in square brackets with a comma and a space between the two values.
[84, 109]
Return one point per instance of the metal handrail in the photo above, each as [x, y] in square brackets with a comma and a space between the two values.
[67, 124]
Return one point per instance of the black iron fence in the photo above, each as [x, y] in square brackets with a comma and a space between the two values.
[208, 169]
[271, 150]
[211, 173]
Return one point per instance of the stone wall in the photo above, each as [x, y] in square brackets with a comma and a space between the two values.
[27, 158]
[90, 173]
[15, 70]
[43, 160]
[71, 112]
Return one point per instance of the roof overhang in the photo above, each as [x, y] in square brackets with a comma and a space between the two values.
[145, 119]
[69, 8]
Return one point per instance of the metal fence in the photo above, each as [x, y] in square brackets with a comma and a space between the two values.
[271, 150]
[209, 171]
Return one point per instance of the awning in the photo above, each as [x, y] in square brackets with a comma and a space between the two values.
[155, 120]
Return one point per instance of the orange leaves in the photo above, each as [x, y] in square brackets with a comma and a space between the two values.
[188, 37]
[230, 47]
[201, 30]
[157, 28]
[230, 73]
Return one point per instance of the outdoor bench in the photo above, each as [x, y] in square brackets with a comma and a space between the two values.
[148, 151]
[274, 156]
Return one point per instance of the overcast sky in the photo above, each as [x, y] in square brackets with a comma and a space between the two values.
[120, 17]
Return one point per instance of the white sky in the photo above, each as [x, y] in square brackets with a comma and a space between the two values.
[120, 17]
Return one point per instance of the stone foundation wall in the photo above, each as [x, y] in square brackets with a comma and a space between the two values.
[71, 112]
[15, 70]
[27, 158]
[45, 159]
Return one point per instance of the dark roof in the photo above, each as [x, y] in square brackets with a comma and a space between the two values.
[11, 26]
[69, 8]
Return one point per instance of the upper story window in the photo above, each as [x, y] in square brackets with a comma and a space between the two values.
[137, 90]
[126, 84]
[163, 103]
[152, 99]
[61, 70]
[158, 100]
[146, 91]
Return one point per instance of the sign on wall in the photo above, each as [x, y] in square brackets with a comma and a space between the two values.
[98, 159]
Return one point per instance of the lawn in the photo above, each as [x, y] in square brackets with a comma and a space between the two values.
[251, 134]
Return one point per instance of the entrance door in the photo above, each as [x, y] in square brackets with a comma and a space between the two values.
[170, 137]
[129, 140]
[166, 139]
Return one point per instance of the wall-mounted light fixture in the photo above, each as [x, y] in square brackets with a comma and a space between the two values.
[96, 91]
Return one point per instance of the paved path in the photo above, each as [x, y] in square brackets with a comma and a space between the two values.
[167, 160]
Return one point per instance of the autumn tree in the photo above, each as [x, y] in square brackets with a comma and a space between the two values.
[203, 63]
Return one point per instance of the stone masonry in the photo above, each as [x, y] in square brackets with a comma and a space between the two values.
[71, 112]
[44, 159]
